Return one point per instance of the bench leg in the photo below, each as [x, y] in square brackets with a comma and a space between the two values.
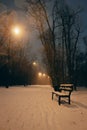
[52, 95]
[69, 99]
[59, 100]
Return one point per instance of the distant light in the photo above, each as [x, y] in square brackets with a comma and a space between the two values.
[40, 74]
[44, 74]
[34, 63]
[48, 77]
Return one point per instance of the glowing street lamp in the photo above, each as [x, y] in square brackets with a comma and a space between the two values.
[34, 63]
[39, 74]
[16, 30]
[44, 74]
[48, 77]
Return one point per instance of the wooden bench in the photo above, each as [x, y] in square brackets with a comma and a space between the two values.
[65, 92]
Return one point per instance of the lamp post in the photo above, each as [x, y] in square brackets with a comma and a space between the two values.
[15, 31]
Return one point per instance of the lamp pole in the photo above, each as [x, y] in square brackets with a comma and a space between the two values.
[16, 31]
[9, 62]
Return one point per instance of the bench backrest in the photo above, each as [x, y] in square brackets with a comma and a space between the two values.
[66, 86]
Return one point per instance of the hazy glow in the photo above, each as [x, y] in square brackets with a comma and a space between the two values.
[48, 77]
[34, 63]
[44, 74]
[40, 74]
[16, 30]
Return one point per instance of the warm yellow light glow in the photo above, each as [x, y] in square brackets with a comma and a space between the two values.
[40, 74]
[48, 77]
[34, 63]
[16, 30]
[44, 74]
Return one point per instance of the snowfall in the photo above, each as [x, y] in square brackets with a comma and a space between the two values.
[31, 108]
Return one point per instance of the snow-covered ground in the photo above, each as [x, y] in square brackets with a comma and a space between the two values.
[31, 108]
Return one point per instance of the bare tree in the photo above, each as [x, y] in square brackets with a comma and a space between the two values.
[67, 21]
[59, 35]
[37, 9]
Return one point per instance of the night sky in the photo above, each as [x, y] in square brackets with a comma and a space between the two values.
[18, 6]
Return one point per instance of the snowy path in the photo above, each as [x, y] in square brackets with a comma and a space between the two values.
[25, 108]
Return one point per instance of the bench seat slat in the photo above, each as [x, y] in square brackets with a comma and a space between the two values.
[61, 93]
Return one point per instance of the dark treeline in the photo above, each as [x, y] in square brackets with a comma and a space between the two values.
[16, 74]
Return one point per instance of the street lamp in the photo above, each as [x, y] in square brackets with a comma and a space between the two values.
[39, 74]
[16, 31]
[44, 74]
[34, 63]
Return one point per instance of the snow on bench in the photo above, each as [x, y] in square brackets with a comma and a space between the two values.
[65, 92]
